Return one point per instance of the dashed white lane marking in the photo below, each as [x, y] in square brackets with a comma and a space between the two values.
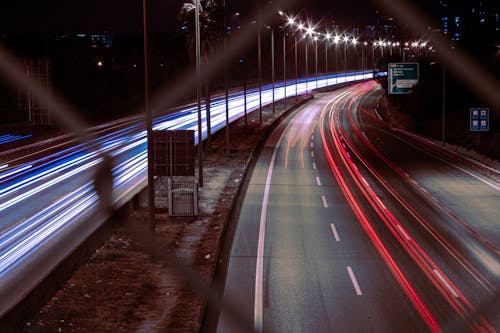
[312, 144]
[401, 230]
[446, 284]
[364, 181]
[318, 181]
[380, 202]
[335, 233]
[325, 204]
[354, 281]
[314, 166]
[312, 153]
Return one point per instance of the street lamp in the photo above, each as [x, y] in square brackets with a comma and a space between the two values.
[291, 21]
[284, 69]
[309, 32]
[149, 122]
[363, 56]
[259, 65]
[296, 67]
[226, 83]
[327, 40]
[244, 67]
[354, 42]
[198, 92]
[316, 58]
[336, 41]
[272, 63]
[346, 40]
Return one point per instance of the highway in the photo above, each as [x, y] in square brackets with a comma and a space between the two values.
[349, 224]
[48, 200]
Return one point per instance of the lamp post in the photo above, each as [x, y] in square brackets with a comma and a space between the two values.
[443, 123]
[149, 123]
[363, 57]
[354, 42]
[296, 68]
[336, 42]
[316, 58]
[284, 69]
[272, 63]
[291, 21]
[198, 92]
[327, 40]
[242, 61]
[346, 40]
[259, 65]
[307, 64]
[226, 84]
[373, 54]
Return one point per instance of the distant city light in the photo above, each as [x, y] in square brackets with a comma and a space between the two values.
[344, 37]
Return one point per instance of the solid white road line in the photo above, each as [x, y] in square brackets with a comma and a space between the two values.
[335, 233]
[446, 284]
[259, 266]
[477, 177]
[354, 281]
[325, 204]
[318, 181]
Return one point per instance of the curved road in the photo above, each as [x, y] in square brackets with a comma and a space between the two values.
[351, 225]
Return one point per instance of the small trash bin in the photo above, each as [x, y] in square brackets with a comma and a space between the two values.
[182, 198]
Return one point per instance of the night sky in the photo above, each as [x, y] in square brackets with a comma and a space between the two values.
[125, 16]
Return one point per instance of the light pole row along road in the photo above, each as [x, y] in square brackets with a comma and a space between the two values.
[48, 201]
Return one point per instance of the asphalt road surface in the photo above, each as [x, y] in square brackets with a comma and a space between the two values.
[351, 225]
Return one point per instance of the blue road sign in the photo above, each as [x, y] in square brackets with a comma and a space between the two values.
[402, 77]
[479, 119]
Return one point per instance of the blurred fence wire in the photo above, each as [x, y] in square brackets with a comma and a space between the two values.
[464, 66]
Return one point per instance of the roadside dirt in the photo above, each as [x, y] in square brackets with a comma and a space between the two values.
[129, 284]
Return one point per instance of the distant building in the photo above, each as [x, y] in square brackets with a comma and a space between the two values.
[470, 19]
[370, 32]
[451, 21]
[101, 39]
[386, 27]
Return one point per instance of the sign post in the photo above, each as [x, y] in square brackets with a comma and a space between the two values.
[402, 77]
[479, 121]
